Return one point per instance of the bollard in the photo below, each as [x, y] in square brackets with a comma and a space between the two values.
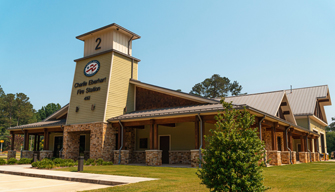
[35, 157]
[80, 163]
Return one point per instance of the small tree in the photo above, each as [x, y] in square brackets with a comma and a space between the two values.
[232, 159]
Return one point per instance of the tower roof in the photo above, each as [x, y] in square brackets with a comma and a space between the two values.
[108, 27]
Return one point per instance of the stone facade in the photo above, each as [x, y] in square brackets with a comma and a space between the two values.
[266, 135]
[46, 154]
[285, 157]
[138, 157]
[195, 158]
[274, 157]
[102, 140]
[125, 157]
[180, 157]
[294, 157]
[303, 157]
[153, 157]
[11, 154]
[317, 156]
[27, 154]
[313, 156]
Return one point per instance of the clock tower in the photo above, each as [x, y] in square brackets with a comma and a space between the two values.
[101, 88]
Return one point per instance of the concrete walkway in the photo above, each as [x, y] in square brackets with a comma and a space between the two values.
[27, 170]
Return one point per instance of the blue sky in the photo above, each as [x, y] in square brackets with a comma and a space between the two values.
[264, 45]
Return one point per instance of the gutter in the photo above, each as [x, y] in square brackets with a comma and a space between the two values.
[121, 142]
[260, 137]
[200, 157]
[287, 143]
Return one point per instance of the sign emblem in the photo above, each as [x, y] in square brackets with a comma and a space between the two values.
[91, 68]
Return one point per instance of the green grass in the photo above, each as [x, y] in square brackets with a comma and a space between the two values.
[301, 177]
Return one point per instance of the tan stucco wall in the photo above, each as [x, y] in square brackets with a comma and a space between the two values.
[182, 136]
[321, 130]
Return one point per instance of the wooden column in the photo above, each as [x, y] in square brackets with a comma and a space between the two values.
[155, 136]
[35, 142]
[26, 140]
[310, 144]
[12, 141]
[302, 143]
[274, 137]
[151, 136]
[46, 139]
[285, 143]
[203, 133]
[290, 141]
[38, 142]
[196, 130]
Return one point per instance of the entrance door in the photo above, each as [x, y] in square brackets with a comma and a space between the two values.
[82, 145]
[58, 145]
[165, 147]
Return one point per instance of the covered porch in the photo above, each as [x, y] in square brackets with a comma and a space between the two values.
[162, 137]
[41, 140]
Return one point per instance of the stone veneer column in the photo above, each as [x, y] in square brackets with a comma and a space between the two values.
[125, 158]
[303, 157]
[294, 157]
[313, 156]
[11, 154]
[46, 154]
[274, 157]
[285, 157]
[195, 158]
[317, 156]
[27, 154]
[153, 157]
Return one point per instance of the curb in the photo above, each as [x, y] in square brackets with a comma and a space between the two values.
[83, 180]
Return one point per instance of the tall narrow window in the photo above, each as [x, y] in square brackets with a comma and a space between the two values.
[279, 143]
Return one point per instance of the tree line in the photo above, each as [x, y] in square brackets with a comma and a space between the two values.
[15, 110]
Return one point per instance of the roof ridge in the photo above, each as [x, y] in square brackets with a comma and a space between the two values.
[284, 90]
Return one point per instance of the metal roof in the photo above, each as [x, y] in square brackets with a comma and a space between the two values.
[170, 111]
[109, 26]
[266, 102]
[40, 124]
[303, 100]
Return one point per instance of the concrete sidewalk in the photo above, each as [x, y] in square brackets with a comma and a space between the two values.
[27, 170]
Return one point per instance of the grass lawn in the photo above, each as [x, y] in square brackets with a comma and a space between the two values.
[301, 177]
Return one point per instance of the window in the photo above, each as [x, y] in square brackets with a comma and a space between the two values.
[323, 143]
[144, 143]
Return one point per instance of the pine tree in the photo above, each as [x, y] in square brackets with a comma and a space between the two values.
[232, 159]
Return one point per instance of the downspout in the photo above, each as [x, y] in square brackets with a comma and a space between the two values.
[260, 137]
[129, 44]
[309, 128]
[200, 157]
[287, 144]
[121, 142]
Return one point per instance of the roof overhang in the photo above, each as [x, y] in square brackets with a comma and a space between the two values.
[106, 28]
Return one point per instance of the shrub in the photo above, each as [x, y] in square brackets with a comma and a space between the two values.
[58, 161]
[25, 161]
[69, 160]
[89, 162]
[2, 162]
[99, 161]
[233, 152]
[35, 164]
[12, 161]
